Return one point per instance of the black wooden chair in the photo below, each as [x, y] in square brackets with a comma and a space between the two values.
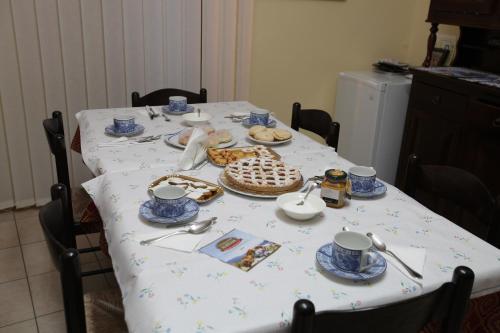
[456, 194]
[160, 97]
[446, 305]
[316, 121]
[92, 312]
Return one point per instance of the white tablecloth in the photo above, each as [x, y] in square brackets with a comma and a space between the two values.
[170, 291]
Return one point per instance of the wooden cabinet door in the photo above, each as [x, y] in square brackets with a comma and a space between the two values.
[464, 6]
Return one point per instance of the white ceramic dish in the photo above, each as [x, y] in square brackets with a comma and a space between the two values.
[193, 119]
[268, 143]
[312, 207]
[174, 141]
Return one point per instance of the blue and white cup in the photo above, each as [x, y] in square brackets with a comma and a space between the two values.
[169, 201]
[351, 251]
[362, 179]
[177, 103]
[259, 117]
[124, 124]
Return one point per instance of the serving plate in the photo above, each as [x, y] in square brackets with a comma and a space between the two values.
[173, 140]
[275, 155]
[268, 143]
[218, 190]
[227, 185]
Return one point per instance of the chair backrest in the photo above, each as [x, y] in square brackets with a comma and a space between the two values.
[160, 97]
[447, 305]
[57, 229]
[457, 186]
[316, 121]
[54, 130]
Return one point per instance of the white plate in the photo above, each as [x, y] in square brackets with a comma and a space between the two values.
[252, 195]
[269, 143]
[174, 141]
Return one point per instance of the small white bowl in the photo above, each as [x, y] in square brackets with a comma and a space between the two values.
[193, 119]
[312, 207]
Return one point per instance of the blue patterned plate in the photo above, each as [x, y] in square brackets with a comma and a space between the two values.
[379, 189]
[165, 109]
[190, 211]
[324, 258]
[110, 130]
[270, 124]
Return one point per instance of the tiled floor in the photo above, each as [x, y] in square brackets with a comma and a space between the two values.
[30, 290]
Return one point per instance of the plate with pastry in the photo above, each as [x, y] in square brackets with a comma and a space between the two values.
[197, 189]
[222, 157]
[218, 139]
[269, 136]
[261, 177]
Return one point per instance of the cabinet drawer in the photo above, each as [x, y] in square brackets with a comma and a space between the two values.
[484, 114]
[439, 102]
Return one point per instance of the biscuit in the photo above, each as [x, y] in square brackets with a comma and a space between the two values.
[265, 135]
[223, 135]
[281, 134]
[255, 129]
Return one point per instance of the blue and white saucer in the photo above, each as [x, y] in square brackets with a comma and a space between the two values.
[166, 109]
[324, 258]
[190, 211]
[110, 130]
[379, 189]
[271, 123]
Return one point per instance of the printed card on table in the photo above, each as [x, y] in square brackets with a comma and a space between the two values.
[240, 249]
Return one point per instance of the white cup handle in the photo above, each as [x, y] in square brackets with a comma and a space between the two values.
[373, 261]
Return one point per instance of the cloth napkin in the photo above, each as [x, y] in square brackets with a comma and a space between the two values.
[412, 256]
[193, 154]
[182, 242]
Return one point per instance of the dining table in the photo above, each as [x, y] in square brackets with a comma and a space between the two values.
[169, 290]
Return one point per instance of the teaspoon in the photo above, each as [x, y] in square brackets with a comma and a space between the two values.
[380, 245]
[195, 228]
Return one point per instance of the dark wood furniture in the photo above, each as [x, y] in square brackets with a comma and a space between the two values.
[92, 312]
[437, 186]
[447, 305]
[78, 199]
[316, 121]
[160, 97]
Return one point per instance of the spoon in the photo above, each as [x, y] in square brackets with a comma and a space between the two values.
[311, 187]
[199, 111]
[195, 228]
[380, 245]
[166, 117]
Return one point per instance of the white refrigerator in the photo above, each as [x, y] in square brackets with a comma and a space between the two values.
[371, 109]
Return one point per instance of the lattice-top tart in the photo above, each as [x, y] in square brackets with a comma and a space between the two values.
[262, 175]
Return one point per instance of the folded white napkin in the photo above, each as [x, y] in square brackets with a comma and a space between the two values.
[182, 242]
[194, 153]
[412, 256]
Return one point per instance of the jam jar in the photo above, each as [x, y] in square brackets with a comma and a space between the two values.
[333, 188]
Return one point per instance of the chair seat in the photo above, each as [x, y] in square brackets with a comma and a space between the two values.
[104, 312]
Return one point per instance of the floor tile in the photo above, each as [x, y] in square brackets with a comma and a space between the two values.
[8, 234]
[28, 326]
[6, 216]
[46, 293]
[11, 264]
[37, 258]
[104, 260]
[25, 213]
[111, 279]
[94, 282]
[94, 238]
[18, 307]
[52, 323]
[30, 230]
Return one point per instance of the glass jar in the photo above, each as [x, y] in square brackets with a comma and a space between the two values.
[333, 188]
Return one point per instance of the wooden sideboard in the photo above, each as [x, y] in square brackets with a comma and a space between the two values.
[451, 121]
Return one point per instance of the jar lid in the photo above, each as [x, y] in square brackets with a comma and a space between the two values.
[335, 175]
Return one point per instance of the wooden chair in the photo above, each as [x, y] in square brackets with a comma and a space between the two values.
[446, 305]
[446, 190]
[92, 312]
[316, 121]
[160, 97]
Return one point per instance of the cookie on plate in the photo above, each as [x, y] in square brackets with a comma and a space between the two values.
[281, 134]
[265, 135]
[255, 129]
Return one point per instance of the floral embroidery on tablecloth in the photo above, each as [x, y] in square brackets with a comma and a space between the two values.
[311, 272]
[237, 309]
[217, 276]
[445, 268]
[459, 255]
[337, 295]
[355, 305]
[146, 292]
[286, 319]
[407, 288]
[274, 265]
[188, 299]
[301, 295]
[201, 327]
[259, 285]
